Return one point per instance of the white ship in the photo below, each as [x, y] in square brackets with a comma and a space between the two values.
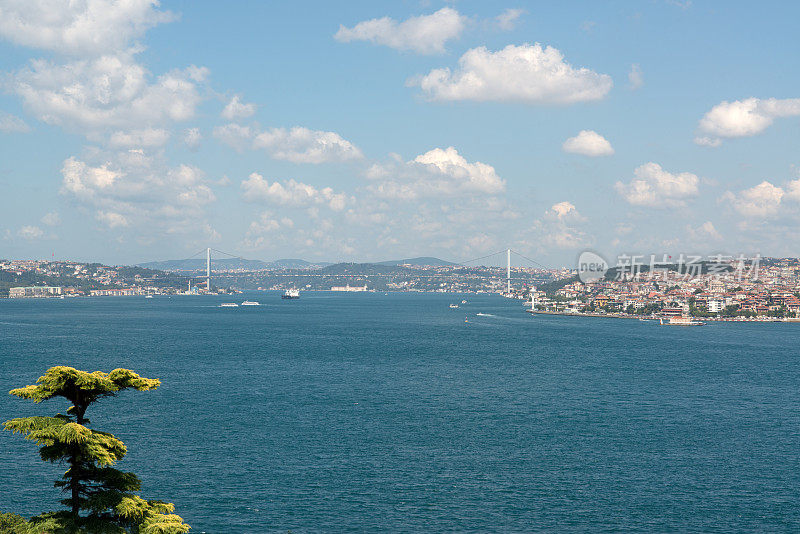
[250, 303]
[228, 305]
[291, 294]
[681, 321]
[454, 306]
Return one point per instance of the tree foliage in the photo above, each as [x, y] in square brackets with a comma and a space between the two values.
[101, 499]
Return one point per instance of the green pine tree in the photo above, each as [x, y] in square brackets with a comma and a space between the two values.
[101, 499]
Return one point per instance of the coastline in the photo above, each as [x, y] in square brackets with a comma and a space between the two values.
[647, 318]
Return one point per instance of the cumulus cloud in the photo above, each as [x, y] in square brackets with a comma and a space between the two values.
[635, 78]
[301, 145]
[438, 172]
[51, 219]
[291, 193]
[12, 124]
[236, 109]
[148, 137]
[712, 142]
[657, 188]
[760, 201]
[234, 135]
[298, 144]
[703, 233]
[30, 232]
[425, 34]
[192, 138]
[507, 20]
[588, 143]
[564, 210]
[133, 189]
[560, 227]
[90, 27]
[111, 219]
[744, 118]
[107, 92]
[526, 73]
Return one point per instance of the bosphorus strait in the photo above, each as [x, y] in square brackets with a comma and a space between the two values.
[394, 412]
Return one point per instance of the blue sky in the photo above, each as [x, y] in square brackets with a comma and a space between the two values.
[375, 130]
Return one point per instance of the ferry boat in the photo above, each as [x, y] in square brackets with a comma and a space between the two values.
[291, 294]
[228, 305]
[681, 321]
[250, 303]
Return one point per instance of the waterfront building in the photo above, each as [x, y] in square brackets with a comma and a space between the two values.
[34, 291]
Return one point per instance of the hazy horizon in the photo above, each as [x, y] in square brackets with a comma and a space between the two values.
[145, 131]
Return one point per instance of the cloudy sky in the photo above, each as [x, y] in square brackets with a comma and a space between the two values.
[354, 131]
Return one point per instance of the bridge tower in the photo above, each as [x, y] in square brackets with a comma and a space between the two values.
[508, 272]
[208, 269]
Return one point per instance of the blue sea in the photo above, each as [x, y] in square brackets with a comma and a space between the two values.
[391, 412]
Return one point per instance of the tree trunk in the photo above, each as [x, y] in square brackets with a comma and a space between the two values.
[75, 478]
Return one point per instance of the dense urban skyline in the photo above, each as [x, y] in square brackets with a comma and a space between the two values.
[372, 131]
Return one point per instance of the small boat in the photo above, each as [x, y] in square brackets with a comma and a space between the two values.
[454, 306]
[291, 294]
[149, 296]
[228, 305]
[463, 302]
[250, 303]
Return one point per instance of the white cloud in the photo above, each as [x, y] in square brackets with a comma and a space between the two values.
[760, 201]
[559, 228]
[425, 34]
[635, 78]
[51, 219]
[12, 124]
[657, 188]
[133, 189]
[703, 233]
[588, 143]
[712, 142]
[192, 138]
[745, 118]
[234, 135]
[438, 172]
[111, 219]
[148, 137]
[301, 145]
[565, 210]
[507, 20]
[30, 232]
[291, 193]
[236, 109]
[526, 73]
[78, 27]
[107, 92]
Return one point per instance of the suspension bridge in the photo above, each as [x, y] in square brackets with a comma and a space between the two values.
[206, 278]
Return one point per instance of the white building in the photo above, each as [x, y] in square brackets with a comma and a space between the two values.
[33, 291]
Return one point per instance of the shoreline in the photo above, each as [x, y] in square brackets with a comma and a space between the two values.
[647, 318]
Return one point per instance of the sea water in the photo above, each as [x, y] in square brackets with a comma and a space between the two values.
[392, 412]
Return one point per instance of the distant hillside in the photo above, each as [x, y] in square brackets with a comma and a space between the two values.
[360, 269]
[298, 264]
[425, 260]
[199, 264]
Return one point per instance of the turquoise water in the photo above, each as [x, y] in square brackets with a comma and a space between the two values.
[373, 412]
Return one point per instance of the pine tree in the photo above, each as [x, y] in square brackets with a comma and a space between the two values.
[101, 499]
